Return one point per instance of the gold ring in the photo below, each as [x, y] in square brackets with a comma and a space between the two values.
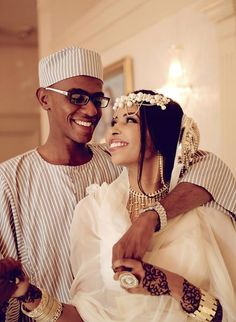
[128, 280]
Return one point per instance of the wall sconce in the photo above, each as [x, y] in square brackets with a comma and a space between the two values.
[177, 86]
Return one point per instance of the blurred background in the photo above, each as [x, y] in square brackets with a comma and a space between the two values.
[183, 48]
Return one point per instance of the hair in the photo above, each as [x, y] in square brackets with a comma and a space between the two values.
[164, 128]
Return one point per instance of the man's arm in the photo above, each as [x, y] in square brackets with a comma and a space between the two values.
[207, 179]
[211, 173]
[184, 197]
[134, 243]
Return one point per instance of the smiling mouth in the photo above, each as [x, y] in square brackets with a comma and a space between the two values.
[83, 123]
[117, 144]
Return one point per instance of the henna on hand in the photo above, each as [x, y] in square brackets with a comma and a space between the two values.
[33, 293]
[155, 281]
[191, 297]
[194, 299]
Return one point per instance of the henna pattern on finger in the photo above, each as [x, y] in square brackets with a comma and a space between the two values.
[155, 281]
[33, 293]
[191, 297]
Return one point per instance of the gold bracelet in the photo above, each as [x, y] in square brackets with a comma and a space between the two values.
[48, 310]
[40, 308]
[207, 308]
[53, 313]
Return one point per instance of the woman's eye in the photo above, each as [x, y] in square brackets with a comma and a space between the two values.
[131, 120]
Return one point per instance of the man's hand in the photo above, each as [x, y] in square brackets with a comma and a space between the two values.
[136, 240]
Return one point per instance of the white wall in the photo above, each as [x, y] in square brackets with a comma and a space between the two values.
[19, 111]
[150, 50]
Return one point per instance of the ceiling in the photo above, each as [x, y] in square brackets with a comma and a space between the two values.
[18, 22]
[18, 19]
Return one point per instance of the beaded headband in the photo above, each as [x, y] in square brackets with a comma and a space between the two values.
[141, 99]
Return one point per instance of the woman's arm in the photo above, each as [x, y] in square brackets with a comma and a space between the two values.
[156, 282]
[40, 306]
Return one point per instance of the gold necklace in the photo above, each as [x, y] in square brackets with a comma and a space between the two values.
[138, 200]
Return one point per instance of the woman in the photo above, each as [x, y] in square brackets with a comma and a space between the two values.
[190, 253]
[145, 133]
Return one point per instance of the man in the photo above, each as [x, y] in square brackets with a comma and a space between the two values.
[40, 188]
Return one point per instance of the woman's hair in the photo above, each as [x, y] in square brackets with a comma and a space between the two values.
[164, 128]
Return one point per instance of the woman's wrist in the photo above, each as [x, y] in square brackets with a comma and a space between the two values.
[155, 280]
[200, 305]
[31, 298]
[194, 301]
[39, 305]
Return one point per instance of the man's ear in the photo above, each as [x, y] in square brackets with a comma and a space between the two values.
[43, 98]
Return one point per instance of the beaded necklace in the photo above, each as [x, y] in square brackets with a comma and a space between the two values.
[138, 200]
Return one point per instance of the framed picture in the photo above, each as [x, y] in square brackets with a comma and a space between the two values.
[118, 80]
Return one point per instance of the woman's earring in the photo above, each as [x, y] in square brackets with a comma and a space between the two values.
[160, 160]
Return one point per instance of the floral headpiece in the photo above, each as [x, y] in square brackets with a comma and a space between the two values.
[141, 99]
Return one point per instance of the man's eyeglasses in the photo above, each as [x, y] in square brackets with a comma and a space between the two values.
[80, 97]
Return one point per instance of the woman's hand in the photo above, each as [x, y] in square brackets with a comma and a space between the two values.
[156, 281]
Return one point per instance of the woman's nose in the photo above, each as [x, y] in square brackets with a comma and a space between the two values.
[115, 129]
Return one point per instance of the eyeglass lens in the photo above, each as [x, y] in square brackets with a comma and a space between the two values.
[77, 97]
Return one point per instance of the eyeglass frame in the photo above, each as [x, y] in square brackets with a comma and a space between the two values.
[84, 93]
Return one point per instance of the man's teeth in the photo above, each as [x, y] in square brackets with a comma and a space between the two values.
[83, 123]
[116, 144]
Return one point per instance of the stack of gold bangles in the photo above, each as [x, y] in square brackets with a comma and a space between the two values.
[48, 310]
[207, 308]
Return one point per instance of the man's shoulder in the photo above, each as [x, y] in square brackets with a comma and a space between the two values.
[208, 156]
[100, 148]
[100, 151]
[10, 166]
[102, 158]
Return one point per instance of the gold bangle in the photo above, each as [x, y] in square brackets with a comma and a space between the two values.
[48, 310]
[40, 308]
[44, 314]
[53, 313]
[207, 308]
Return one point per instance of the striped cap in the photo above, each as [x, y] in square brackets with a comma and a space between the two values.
[69, 62]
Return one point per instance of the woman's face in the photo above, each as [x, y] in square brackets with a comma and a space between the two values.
[123, 137]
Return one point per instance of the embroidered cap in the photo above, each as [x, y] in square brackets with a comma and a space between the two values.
[69, 62]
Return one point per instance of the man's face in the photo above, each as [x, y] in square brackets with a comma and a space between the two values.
[69, 121]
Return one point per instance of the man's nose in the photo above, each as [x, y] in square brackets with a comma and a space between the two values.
[90, 109]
